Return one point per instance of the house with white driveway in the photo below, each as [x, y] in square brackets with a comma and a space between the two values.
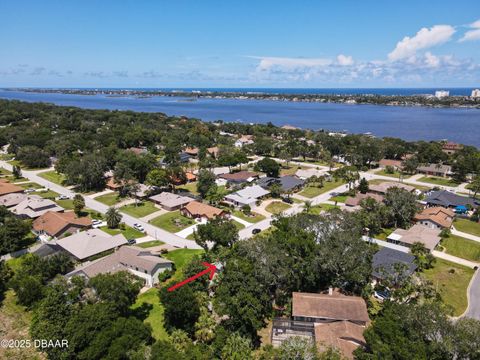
[247, 196]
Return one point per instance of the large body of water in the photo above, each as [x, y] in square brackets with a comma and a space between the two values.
[409, 123]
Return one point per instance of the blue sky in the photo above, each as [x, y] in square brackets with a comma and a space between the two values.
[240, 44]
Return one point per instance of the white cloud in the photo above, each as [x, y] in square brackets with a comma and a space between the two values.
[423, 39]
[344, 60]
[474, 34]
[268, 63]
[431, 60]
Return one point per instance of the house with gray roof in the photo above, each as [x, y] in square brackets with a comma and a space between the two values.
[448, 199]
[247, 196]
[138, 261]
[388, 262]
[170, 201]
[435, 170]
[12, 199]
[287, 183]
[34, 206]
[85, 244]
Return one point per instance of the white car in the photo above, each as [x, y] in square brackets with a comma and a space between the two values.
[63, 197]
[138, 227]
[30, 190]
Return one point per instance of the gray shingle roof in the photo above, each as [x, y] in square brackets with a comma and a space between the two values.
[448, 199]
[384, 261]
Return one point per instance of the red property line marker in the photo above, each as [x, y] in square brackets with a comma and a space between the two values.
[209, 269]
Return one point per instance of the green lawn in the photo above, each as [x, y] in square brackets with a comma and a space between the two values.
[191, 187]
[290, 170]
[181, 258]
[66, 204]
[13, 180]
[129, 232]
[253, 218]
[313, 191]
[53, 176]
[339, 198]
[317, 209]
[149, 244]
[419, 187]
[31, 185]
[50, 194]
[467, 226]
[462, 248]
[155, 315]
[238, 225]
[139, 210]
[384, 234]
[395, 174]
[172, 221]
[23, 167]
[277, 207]
[438, 181]
[109, 199]
[451, 281]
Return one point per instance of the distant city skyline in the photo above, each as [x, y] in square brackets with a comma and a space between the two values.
[368, 44]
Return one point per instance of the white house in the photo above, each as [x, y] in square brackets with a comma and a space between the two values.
[247, 196]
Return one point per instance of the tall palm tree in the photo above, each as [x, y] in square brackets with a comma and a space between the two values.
[113, 217]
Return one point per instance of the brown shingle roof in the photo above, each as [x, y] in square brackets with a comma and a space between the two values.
[342, 335]
[241, 175]
[325, 306]
[390, 162]
[437, 215]
[196, 208]
[384, 186]
[53, 223]
[8, 188]
[355, 201]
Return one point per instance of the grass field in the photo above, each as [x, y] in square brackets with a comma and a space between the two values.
[451, 281]
[155, 315]
[419, 187]
[169, 221]
[238, 225]
[139, 210]
[129, 232]
[384, 234]
[313, 191]
[290, 170]
[277, 207]
[109, 199]
[53, 176]
[66, 204]
[339, 198]
[181, 258]
[438, 181]
[382, 172]
[462, 248]
[254, 218]
[14, 325]
[149, 244]
[467, 226]
[191, 187]
[317, 209]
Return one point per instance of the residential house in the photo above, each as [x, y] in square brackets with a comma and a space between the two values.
[112, 184]
[239, 177]
[451, 147]
[287, 183]
[435, 170]
[417, 233]
[388, 262]
[34, 206]
[344, 336]
[192, 151]
[8, 188]
[169, 201]
[85, 244]
[383, 187]
[56, 224]
[435, 217]
[213, 151]
[356, 200]
[140, 262]
[448, 199]
[198, 210]
[9, 200]
[395, 164]
[244, 140]
[247, 196]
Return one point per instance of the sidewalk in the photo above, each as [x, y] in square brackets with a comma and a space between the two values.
[464, 235]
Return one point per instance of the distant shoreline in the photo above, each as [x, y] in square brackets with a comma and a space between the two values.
[425, 100]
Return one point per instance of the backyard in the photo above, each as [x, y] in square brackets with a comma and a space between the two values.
[311, 191]
[140, 209]
[172, 221]
[451, 281]
[277, 207]
[467, 226]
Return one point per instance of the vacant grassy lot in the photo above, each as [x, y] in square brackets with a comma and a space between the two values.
[109, 199]
[289, 170]
[462, 248]
[451, 281]
[181, 258]
[419, 187]
[53, 176]
[339, 198]
[277, 207]
[172, 221]
[129, 232]
[155, 316]
[23, 167]
[382, 172]
[66, 204]
[139, 210]
[467, 226]
[191, 187]
[253, 218]
[438, 181]
[313, 191]
[317, 209]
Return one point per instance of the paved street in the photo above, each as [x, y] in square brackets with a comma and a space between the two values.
[473, 310]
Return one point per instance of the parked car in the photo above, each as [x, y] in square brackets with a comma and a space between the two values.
[287, 200]
[63, 197]
[138, 227]
[256, 231]
[30, 190]
[381, 295]
[131, 241]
